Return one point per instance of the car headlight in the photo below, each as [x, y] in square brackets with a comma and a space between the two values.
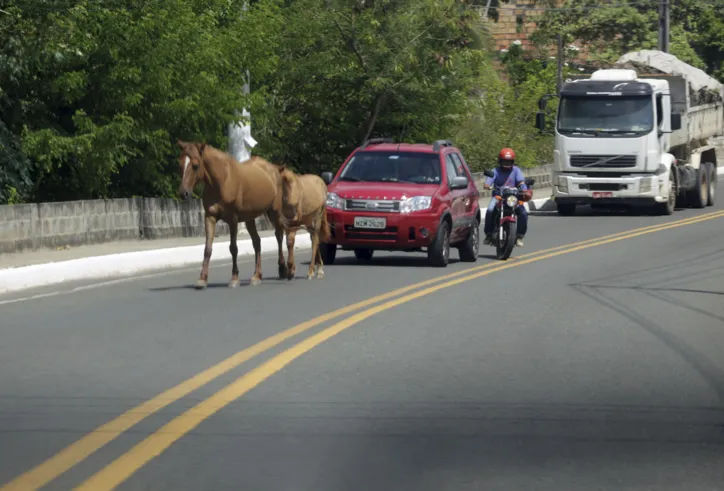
[334, 201]
[416, 203]
[511, 201]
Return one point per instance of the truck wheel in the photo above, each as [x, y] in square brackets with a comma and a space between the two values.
[471, 247]
[329, 252]
[566, 209]
[438, 253]
[669, 207]
[363, 255]
[712, 184]
[699, 196]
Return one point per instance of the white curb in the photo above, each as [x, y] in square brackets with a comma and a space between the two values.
[21, 278]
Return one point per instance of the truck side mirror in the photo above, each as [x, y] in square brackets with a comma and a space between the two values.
[542, 103]
[540, 120]
[675, 121]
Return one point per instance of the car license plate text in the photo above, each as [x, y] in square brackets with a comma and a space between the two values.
[370, 222]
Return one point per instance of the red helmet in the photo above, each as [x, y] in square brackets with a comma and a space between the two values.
[506, 154]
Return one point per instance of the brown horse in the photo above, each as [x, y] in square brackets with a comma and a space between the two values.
[233, 192]
[304, 204]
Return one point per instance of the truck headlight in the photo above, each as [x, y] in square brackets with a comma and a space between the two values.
[416, 203]
[562, 183]
[334, 201]
[646, 185]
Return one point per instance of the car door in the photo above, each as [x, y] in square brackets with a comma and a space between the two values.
[458, 198]
[472, 195]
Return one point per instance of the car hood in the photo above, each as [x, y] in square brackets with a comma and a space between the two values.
[381, 190]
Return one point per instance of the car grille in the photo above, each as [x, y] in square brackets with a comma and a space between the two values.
[618, 162]
[388, 234]
[372, 205]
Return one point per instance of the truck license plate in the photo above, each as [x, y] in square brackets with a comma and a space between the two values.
[370, 222]
[602, 194]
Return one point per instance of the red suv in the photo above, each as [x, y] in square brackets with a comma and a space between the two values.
[403, 197]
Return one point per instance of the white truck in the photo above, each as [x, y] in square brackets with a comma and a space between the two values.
[637, 139]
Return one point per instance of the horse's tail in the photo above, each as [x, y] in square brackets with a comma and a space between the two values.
[324, 231]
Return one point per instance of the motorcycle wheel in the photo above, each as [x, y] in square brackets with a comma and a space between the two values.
[505, 247]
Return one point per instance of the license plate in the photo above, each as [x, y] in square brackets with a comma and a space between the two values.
[370, 222]
[602, 194]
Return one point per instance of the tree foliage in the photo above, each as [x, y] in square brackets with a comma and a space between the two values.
[610, 29]
[350, 70]
[93, 93]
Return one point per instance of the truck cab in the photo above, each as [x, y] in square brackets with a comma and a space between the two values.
[620, 139]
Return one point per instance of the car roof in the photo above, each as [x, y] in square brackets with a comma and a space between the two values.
[404, 147]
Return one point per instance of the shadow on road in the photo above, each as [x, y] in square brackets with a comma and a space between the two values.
[242, 283]
[387, 261]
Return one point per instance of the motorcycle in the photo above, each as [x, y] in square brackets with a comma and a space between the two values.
[505, 216]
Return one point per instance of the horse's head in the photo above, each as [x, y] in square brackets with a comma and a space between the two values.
[291, 194]
[191, 166]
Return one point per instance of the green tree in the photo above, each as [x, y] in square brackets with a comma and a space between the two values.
[612, 28]
[100, 89]
[350, 70]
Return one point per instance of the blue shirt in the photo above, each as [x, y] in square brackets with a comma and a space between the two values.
[511, 178]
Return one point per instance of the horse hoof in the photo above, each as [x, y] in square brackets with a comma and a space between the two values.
[200, 284]
[234, 283]
[310, 276]
[283, 271]
[255, 281]
[320, 274]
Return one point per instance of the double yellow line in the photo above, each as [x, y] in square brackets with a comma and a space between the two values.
[127, 464]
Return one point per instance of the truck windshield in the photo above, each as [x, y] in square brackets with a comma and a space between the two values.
[417, 167]
[606, 114]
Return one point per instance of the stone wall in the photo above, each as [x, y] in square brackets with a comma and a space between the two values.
[72, 223]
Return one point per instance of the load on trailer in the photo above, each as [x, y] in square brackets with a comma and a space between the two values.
[623, 137]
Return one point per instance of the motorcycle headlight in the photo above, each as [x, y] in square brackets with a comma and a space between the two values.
[416, 203]
[511, 201]
[334, 201]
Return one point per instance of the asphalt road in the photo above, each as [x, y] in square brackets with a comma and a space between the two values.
[597, 366]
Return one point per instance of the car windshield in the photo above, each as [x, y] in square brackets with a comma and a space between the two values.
[606, 114]
[415, 167]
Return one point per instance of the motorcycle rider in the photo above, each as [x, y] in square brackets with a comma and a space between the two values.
[506, 174]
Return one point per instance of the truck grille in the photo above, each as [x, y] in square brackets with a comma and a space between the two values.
[383, 206]
[618, 162]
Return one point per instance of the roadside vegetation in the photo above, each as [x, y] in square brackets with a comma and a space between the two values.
[94, 93]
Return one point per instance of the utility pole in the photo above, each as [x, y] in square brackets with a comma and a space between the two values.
[664, 9]
[559, 77]
[240, 140]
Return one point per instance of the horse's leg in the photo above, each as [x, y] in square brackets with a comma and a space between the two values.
[210, 225]
[279, 233]
[319, 269]
[256, 242]
[315, 247]
[291, 266]
[234, 250]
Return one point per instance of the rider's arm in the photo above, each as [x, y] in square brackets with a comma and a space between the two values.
[520, 179]
[490, 180]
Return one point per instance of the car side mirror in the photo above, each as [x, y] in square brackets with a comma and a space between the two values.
[327, 177]
[459, 182]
